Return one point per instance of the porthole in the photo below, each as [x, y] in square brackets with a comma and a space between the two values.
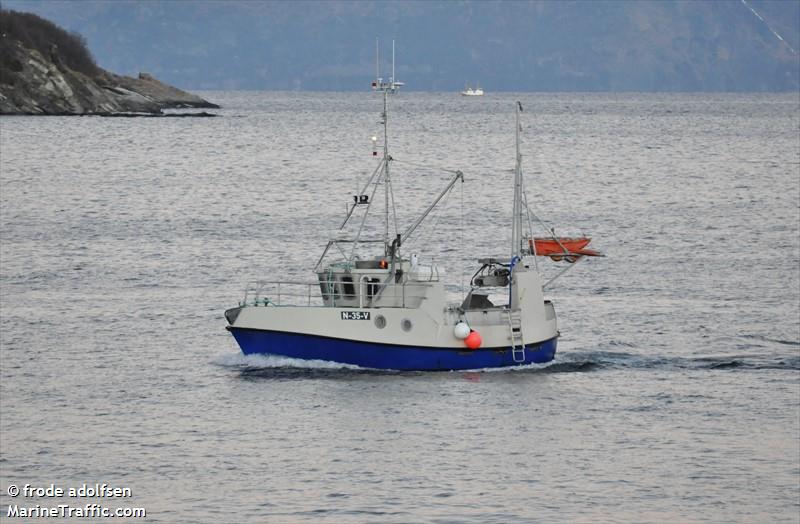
[380, 321]
[406, 325]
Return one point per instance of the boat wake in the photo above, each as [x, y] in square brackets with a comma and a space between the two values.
[260, 366]
[273, 366]
[262, 361]
[609, 360]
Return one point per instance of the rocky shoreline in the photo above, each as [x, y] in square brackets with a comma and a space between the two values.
[33, 84]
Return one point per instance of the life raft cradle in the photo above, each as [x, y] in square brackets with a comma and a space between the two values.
[571, 250]
[562, 248]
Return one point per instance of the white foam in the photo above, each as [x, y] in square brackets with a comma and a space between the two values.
[239, 360]
[276, 361]
[526, 367]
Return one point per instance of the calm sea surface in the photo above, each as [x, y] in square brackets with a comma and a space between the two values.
[675, 395]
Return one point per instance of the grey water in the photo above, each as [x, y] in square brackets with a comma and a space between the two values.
[674, 396]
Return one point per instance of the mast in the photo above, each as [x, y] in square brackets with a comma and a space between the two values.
[519, 207]
[386, 179]
[386, 88]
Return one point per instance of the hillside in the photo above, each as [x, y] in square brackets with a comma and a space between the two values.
[565, 45]
[46, 70]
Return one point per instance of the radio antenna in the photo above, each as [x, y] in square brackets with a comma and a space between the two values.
[377, 58]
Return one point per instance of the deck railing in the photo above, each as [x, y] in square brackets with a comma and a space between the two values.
[361, 294]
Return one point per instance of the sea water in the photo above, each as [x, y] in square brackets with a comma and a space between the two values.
[674, 396]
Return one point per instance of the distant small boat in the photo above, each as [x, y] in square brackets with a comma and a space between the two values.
[468, 91]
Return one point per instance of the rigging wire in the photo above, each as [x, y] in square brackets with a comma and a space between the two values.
[434, 168]
[435, 226]
[369, 182]
[394, 209]
[531, 237]
[461, 231]
[363, 221]
[549, 230]
[428, 231]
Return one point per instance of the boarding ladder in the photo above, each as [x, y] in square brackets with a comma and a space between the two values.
[515, 334]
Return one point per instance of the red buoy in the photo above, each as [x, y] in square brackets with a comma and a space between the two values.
[473, 340]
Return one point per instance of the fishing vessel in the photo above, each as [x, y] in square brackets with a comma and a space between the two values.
[468, 91]
[387, 310]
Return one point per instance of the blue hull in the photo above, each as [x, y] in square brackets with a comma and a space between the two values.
[385, 356]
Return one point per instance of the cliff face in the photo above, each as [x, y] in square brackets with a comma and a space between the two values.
[33, 82]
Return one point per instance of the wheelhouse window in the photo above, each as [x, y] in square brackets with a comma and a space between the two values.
[348, 289]
[372, 286]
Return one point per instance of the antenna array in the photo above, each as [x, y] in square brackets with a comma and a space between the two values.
[379, 85]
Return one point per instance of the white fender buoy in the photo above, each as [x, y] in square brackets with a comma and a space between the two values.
[461, 331]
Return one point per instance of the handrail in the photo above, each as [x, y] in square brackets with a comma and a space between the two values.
[310, 293]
